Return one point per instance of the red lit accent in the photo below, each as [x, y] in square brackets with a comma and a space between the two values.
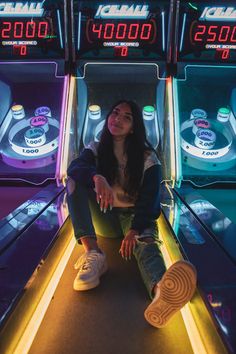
[215, 34]
[201, 32]
[130, 31]
[212, 34]
[5, 30]
[222, 54]
[124, 51]
[232, 39]
[20, 50]
[223, 37]
[121, 51]
[119, 28]
[133, 28]
[18, 29]
[23, 50]
[146, 27]
[42, 29]
[225, 54]
[109, 27]
[30, 29]
[97, 30]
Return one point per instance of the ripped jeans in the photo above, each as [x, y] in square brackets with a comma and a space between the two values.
[88, 220]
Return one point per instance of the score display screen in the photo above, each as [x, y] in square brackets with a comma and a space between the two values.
[31, 29]
[121, 30]
[207, 31]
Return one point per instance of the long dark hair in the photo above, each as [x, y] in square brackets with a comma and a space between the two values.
[136, 145]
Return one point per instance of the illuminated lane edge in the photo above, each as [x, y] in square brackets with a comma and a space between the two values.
[175, 119]
[205, 153]
[172, 130]
[27, 337]
[171, 256]
[62, 167]
[28, 151]
[62, 127]
[196, 322]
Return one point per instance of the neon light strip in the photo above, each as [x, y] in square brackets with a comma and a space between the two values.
[65, 152]
[182, 33]
[188, 319]
[62, 124]
[177, 134]
[172, 131]
[34, 62]
[33, 325]
[163, 31]
[60, 30]
[79, 30]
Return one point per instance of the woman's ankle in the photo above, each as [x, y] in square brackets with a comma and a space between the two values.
[89, 244]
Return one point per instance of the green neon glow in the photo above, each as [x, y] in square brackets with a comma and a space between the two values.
[149, 109]
[193, 7]
[224, 110]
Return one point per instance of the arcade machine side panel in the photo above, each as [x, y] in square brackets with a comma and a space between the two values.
[33, 86]
[204, 92]
[34, 93]
[205, 125]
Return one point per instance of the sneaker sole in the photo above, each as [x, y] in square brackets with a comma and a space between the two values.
[81, 286]
[176, 289]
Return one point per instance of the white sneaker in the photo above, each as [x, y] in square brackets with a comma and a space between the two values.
[91, 265]
[175, 289]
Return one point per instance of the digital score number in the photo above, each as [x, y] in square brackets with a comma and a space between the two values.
[22, 34]
[24, 30]
[131, 34]
[219, 37]
[122, 31]
[214, 34]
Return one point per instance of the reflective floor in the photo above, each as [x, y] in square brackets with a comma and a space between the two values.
[108, 319]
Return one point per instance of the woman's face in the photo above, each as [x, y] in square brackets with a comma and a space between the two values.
[120, 121]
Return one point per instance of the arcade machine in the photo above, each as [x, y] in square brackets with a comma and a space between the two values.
[33, 95]
[120, 51]
[204, 98]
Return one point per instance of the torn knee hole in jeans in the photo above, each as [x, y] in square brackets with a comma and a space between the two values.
[149, 240]
[70, 186]
[146, 240]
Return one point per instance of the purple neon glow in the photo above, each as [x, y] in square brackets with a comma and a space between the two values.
[44, 161]
[62, 123]
[31, 62]
[34, 163]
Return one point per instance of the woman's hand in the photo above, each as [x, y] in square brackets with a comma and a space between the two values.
[128, 244]
[104, 192]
